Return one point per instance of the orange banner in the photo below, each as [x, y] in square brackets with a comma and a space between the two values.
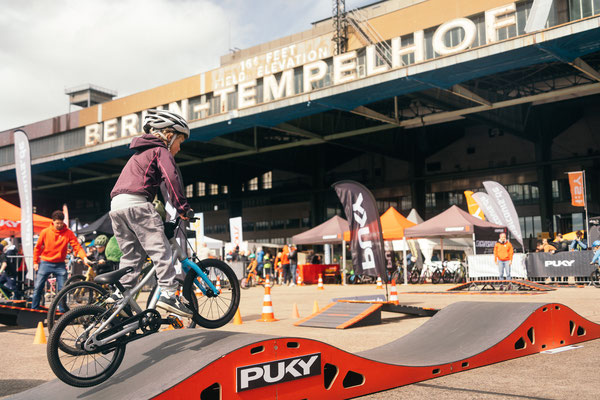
[577, 192]
[474, 208]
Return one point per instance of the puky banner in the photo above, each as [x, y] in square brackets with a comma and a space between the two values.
[504, 204]
[235, 231]
[366, 241]
[566, 263]
[23, 171]
[577, 193]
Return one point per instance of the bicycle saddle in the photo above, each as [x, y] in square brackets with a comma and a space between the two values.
[113, 277]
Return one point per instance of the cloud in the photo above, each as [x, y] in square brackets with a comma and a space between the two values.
[126, 45]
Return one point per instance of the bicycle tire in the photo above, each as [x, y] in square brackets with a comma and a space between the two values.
[398, 276]
[459, 275]
[448, 277]
[65, 292]
[224, 308]
[436, 277]
[595, 278]
[415, 276]
[75, 278]
[54, 357]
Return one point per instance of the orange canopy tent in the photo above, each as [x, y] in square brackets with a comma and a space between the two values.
[392, 224]
[10, 220]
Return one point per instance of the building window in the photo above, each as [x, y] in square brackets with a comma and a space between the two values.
[583, 8]
[262, 226]
[406, 203]
[555, 190]
[189, 191]
[430, 200]
[213, 189]
[224, 189]
[267, 180]
[201, 187]
[253, 184]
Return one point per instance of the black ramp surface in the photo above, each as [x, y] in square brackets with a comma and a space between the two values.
[336, 315]
[456, 332]
[152, 365]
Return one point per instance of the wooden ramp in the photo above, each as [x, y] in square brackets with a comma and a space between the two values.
[505, 285]
[342, 315]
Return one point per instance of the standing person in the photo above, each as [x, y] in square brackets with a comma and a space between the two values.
[136, 224]
[560, 243]
[49, 255]
[293, 256]
[547, 247]
[578, 244]
[267, 264]
[285, 265]
[260, 255]
[503, 255]
[8, 274]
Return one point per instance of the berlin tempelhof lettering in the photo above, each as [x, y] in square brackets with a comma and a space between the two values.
[274, 73]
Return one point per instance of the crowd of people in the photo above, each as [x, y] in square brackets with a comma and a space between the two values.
[283, 263]
[561, 244]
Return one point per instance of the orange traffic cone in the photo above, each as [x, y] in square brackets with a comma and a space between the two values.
[315, 307]
[218, 285]
[237, 318]
[394, 293]
[379, 283]
[295, 313]
[320, 285]
[267, 310]
[40, 336]
[299, 281]
[267, 282]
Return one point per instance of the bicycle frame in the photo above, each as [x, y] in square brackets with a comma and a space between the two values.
[129, 299]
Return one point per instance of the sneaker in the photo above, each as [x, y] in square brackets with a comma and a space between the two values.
[292, 284]
[174, 305]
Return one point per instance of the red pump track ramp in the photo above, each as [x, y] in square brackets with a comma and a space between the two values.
[200, 364]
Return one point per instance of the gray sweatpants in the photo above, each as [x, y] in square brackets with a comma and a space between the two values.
[139, 231]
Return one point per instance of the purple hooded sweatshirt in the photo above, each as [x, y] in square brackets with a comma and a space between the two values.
[147, 168]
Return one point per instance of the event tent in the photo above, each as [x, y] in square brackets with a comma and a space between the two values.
[413, 216]
[330, 231]
[453, 222]
[101, 225]
[10, 220]
[458, 225]
[392, 225]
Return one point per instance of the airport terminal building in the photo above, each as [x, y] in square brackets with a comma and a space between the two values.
[419, 100]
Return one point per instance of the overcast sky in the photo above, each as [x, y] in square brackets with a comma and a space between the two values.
[127, 45]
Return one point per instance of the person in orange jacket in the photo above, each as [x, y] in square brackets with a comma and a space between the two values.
[503, 255]
[49, 255]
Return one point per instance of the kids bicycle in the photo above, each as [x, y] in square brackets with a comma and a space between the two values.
[88, 343]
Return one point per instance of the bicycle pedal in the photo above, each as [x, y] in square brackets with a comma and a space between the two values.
[175, 322]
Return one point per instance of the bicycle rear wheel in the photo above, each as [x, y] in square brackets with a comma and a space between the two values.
[76, 294]
[595, 278]
[213, 311]
[415, 276]
[79, 367]
[436, 277]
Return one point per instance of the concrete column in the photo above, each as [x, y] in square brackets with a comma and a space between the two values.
[543, 154]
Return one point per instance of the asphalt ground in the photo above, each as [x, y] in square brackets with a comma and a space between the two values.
[571, 374]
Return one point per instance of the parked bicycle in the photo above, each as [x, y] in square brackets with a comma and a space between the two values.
[96, 336]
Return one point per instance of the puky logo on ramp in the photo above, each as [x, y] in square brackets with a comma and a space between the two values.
[558, 263]
[270, 373]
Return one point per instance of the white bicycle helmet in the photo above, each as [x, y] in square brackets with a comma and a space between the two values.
[161, 119]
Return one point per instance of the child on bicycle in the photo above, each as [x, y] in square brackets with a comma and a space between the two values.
[596, 249]
[136, 224]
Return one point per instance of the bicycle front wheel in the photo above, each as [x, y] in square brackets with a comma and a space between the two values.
[79, 367]
[77, 294]
[213, 311]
